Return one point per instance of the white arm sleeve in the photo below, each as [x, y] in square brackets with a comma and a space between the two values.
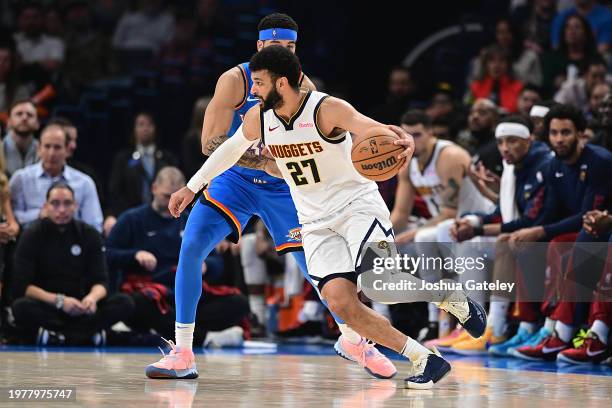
[224, 157]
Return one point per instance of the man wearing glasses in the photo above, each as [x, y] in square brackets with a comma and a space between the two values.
[61, 275]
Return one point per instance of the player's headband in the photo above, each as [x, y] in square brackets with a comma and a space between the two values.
[538, 111]
[278, 34]
[512, 129]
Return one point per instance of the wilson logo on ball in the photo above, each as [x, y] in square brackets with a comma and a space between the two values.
[380, 165]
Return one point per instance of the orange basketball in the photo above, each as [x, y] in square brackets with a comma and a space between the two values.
[375, 156]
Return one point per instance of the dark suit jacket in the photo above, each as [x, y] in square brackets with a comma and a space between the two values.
[127, 176]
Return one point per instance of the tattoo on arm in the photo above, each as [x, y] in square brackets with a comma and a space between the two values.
[248, 160]
[213, 144]
[450, 197]
[252, 161]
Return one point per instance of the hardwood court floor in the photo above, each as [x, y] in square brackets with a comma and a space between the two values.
[108, 378]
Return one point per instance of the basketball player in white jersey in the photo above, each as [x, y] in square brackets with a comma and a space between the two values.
[437, 174]
[307, 134]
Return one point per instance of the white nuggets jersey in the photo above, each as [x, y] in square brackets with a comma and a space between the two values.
[319, 170]
[427, 183]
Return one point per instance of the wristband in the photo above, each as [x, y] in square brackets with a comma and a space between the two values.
[196, 183]
[59, 301]
[478, 231]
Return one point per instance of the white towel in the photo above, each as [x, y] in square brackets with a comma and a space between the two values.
[507, 204]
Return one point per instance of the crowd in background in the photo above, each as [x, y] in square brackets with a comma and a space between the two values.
[90, 93]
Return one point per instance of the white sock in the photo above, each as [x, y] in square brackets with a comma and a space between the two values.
[550, 324]
[257, 304]
[433, 312]
[564, 331]
[413, 350]
[350, 334]
[601, 330]
[183, 333]
[530, 327]
[498, 311]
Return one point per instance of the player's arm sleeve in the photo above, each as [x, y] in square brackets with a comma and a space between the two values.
[220, 160]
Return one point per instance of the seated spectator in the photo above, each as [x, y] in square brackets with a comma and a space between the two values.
[479, 139]
[38, 50]
[437, 174]
[577, 92]
[134, 169]
[29, 184]
[442, 129]
[524, 62]
[598, 94]
[11, 87]
[401, 89]
[73, 135]
[191, 147]
[144, 247]
[148, 28]
[61, 277]
[529, 96]
[575, 48]
[497, 83]
[537, 114]
[9, 227]
[19, 145]
[520, 205]
[598, 16]
[603, 134]
[442, 103]
[577, 180]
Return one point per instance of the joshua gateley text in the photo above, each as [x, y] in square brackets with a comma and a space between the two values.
[470, 285]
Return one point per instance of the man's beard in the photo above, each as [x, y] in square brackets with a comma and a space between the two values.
[22, 133]
[273, 100]
[570, 152]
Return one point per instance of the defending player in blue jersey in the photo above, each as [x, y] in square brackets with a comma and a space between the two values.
[230, 201]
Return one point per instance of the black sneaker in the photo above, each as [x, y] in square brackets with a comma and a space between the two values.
[472, 316]
[427, 371]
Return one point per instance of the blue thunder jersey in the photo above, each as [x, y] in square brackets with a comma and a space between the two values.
[248, 101]
[239, 193]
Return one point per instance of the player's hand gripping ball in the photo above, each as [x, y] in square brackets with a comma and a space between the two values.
[381, 152]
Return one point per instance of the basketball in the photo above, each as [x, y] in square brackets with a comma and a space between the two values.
[375, 156]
